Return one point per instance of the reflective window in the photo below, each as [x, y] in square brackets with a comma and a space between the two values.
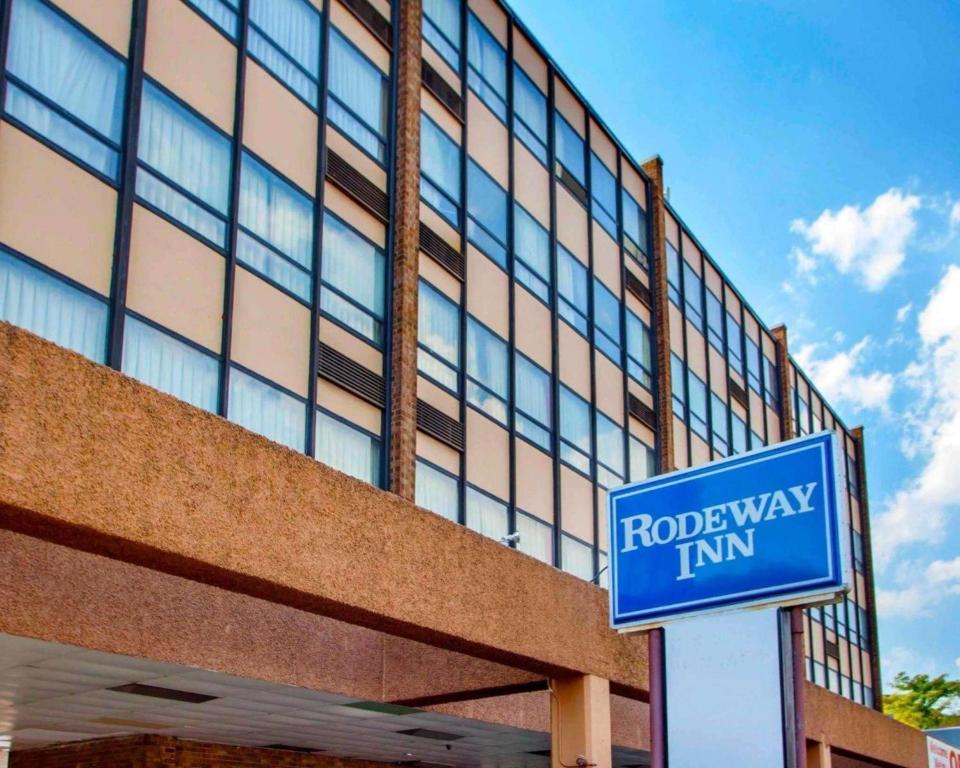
[753, 365]
[771, 383]
[569, 149]
[285, 38]
[352, 273]
[487, 376]
[348, 448]
[530, 114]
[692, 296]
[439, 170]
[734, 343]
[606, 317]
[534, 402]
[673, 273]
[487, 209]
[697, 402]
[438, 334]
[738, 434]
[487, 75]
[358, 96]
[677, 375]
[572, 287]
[536, 537]
[714, 321]
[603, 191]
[441, 28]
[718, 425]
[487, 515]
[610, 460]
[634, 229]
[639, 350]
[267, 410]
[437, 491]
[643, 461]
[575, 430]
[532, 249]
[576, 557]
[222, 13]
[65, 86]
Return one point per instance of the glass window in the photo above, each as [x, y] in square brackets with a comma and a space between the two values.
[634, 229]
[714, 321]
[575, 434]
[285, 37]
[606, 316]
[50, 307]
[853, 478]
[718, 425]
[437, 491]
[487, 209]
[441, 28]
[267, 410]
[756, 441]
[223, 13]
[184, 166]
[536, 537]
[352, 272]
[697, 401]
[734, 342]
[610, 469]
[572, 285]
[439, 170]
[486, 370]
[858, 561]
[673, 273]
[530, 114]
[603, 191]
[170, 365]
[738, 434]
[347, 448]
[276, 229]
[753, 365]
[643, 461]
[771, 383]
[639, 350]
[534, 402]
[358, 96]
[576, 557]
[487, 75]
[677, 375]
[438, 334]
[570, 149]
[803, 417]
[487, 515]
[692, 296]
[532, 250]
[65, 86]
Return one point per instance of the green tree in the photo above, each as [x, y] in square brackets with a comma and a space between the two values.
[923, 701]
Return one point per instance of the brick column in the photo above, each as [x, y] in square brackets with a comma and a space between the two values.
[783, 369]
[661, 312]
[868, 567]
[406, 248]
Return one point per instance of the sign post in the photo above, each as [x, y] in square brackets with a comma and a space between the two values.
[711, 554]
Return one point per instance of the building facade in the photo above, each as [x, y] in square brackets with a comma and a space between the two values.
[397, 240]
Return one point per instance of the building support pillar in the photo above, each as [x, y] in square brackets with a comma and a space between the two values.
[406, 250]
[580, 722]
[818, 754]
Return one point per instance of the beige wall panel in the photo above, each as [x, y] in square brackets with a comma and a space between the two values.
[439, 277]
[438, 398]
[773, 426]
[347, 405]
[633, 182]
[696, 351]
[574, 361]
[359, 35]
[534, 481]
[487, 140]
[271, 332]
[844, 656]
[569, 106]
[640, 392]
[691, 253]
[487, 292]
[531, 184]
[488, 455]
[55, 212]
[344, 341]
[440, 115]
[738, 409]
[768, 346]
[186, 54]
[640, 430]
[440, 65]
[572, 224]
[279, 128]
[603, 539]
[603, 147]
[606, 259]
[437, 453]
[756, 413]
[108, 19]
[867, 669]
[576, 500]
[527, 57]
[357, 217]
[175, 280]
[672, 229]
[533, 336]
[679, 443]
[349, 152]
[733, 304]
[676, 330]
[699, 450]
[817, 637]
[609, 388]
[712, 279]
[440, 226]
[751, 327]
[718, 373]
[492, 17]
[383, 6]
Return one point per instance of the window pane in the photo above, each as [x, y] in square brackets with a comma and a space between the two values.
[606, 309]
[49, 307]
[734, 340]
[692, 296]
[697, 391]
[639, 349]
[348, 449]
[281, 217]
[487, 366]
[285, 38]
[440, 164]
[738, 434]
[441, 28]
[718, 419]
[642, 461]
[530, 108]
[609, 443]
[359, 86]
[266, 410]
[437, 491]
[677, 376]
[536, 537]
[355, 268]
[64, 65]
[714, 321]
[170, 365]
[181, 147]
[486, 515]
[634, 223]
[753, 365]
[438, 324]
[572, 285]
[673, 273]
[603, 188]
[488, 67]
[532, 243]
[574, 420]
[223, 13]
[570, 148]
[534, 402]
[487, 206]
[577, 558]
[771, 384]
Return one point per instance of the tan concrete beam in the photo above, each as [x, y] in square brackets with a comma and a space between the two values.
[580, 722]
[99, 462]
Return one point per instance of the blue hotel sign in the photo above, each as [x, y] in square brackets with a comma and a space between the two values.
[758, 528]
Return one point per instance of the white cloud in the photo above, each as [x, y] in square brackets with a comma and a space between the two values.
[918, 512]
[868, 242]
[920, 589]
[837, 377]
[903, 659]
[955, 215]
[904, 312]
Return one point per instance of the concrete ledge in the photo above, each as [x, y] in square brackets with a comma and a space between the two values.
[96, 461]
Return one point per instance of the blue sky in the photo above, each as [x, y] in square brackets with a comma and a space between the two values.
[814, 148]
